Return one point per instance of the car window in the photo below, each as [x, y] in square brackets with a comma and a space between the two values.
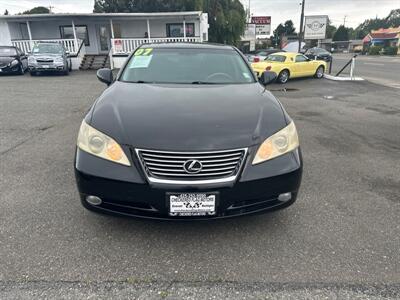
[301, 58]
[7, 51]
[275, 57]
[48, 49]
[262, 53]
[185, 65]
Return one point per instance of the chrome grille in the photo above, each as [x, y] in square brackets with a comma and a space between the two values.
[44, 60]
[169, 167]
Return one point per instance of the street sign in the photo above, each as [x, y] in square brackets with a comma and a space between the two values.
[315, 27]
[263, 24]
[249, 32]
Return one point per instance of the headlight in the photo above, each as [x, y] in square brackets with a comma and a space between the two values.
[31, 60]
[14, 62]
[59, 60]
[94, 142]
[282, 142]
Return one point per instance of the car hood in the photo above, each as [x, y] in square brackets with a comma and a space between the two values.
[46, 55]
[6, 59]
[187, 117]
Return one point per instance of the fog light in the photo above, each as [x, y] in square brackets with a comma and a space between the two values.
[285, 197]
[93, 200]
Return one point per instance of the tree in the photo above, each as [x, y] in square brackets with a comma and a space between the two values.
[330, 30]
[6, 12]
[392, 20]
[341, 34]
[289, 28]
[37, 10]
[285, 29]
[227, 18]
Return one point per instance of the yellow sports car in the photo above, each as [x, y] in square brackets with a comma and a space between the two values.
[290, 65]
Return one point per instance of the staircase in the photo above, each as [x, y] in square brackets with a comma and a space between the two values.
[94, 62]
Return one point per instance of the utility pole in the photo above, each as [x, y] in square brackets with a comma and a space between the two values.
[301, 24]
[344, 21]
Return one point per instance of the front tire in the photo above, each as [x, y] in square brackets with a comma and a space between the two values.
[283, 76]
[66, 71]
[21, 70]
[319, 73]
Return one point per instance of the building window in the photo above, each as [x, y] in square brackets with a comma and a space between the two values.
[176, 30]
[81, 33]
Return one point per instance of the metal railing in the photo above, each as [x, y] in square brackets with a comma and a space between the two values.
[70, 45]
[127, 45]
[351, 62]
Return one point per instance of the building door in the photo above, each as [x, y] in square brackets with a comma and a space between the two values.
[103, 37]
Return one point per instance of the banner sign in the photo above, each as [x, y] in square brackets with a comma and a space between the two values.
[118, 48]
[263, 25]
[315, 27]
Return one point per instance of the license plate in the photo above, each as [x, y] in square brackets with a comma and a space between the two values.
[192, 204]
[46, 66]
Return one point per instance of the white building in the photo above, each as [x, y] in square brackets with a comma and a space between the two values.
[104, 37]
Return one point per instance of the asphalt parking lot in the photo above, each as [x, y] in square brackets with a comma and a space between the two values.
[340, 240]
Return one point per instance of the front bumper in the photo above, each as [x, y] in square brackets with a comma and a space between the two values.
[10, 69]
[125, 190]
[46, 67]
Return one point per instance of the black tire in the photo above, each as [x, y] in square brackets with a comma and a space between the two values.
[33, 73]
[283, 76]
[319, 73]
[66, 71]
[21, 70]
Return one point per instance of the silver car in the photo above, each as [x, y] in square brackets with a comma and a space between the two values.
[46, 57]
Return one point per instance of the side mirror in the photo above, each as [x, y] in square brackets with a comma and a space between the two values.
[105, 75]
[267, 77]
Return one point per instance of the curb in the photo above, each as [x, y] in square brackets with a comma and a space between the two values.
[337, 78]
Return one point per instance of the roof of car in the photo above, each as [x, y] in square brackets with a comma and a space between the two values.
[188, 45]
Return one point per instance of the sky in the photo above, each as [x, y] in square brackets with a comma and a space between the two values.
[355, 11]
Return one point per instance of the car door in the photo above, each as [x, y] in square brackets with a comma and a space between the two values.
[302, 66]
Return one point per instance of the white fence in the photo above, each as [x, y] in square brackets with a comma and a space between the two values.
[126, 46]
[69, 44]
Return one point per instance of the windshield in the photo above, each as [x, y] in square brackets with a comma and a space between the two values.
[183, 65]
[277, 58]
[47, 48]
[8, 51]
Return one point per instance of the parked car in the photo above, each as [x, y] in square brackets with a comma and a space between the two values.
[165, 141]
[12, 60]
[319, 53]
[290, 65]
[49, 57]
[261, 55]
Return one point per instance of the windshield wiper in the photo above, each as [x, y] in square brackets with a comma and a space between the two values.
[204, 82]
[139, 81]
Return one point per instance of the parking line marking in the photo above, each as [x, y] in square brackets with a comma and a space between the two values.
[373, 64]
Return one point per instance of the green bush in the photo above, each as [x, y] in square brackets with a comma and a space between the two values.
[374, 50]
[390, 51]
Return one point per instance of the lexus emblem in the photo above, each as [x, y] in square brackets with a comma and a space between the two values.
[192, 166]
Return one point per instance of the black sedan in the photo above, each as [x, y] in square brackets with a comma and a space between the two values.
[318, 54]
[186, 131]
[12, 60]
